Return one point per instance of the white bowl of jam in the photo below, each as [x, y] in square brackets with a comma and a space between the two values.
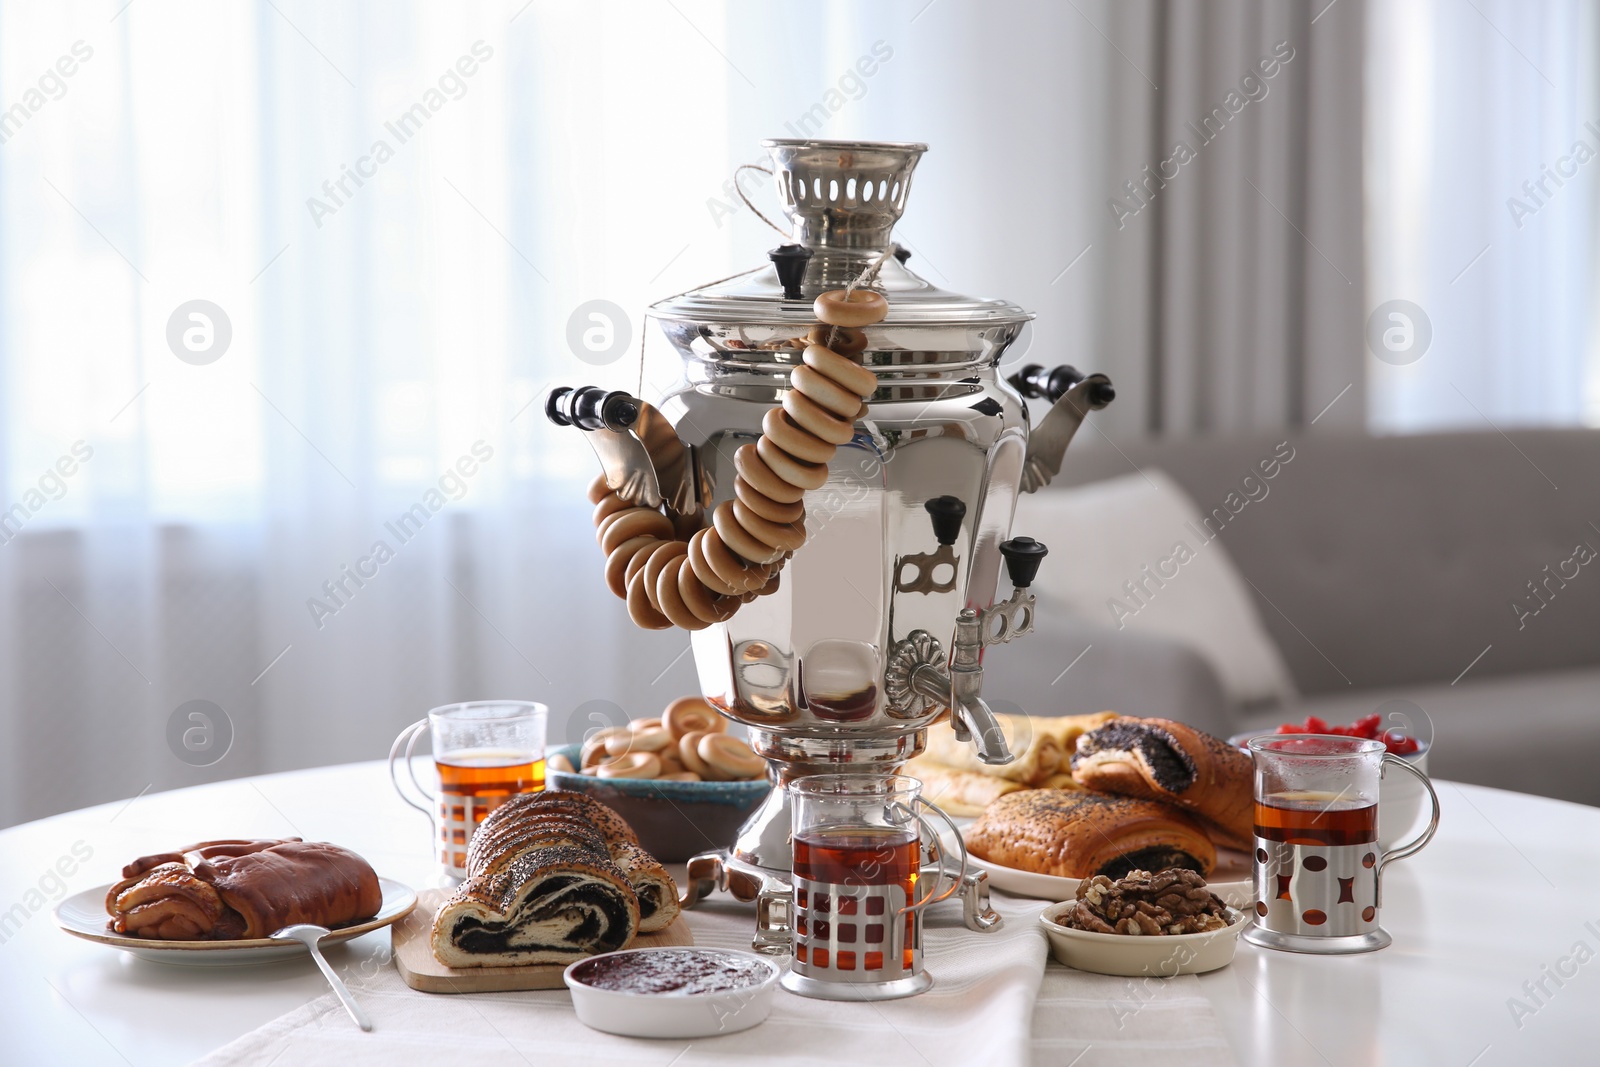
[672, 992]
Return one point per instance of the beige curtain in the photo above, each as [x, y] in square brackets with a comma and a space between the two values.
[1233, 227]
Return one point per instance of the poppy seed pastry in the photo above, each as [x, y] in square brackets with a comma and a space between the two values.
[1159, 759]
[1079, 834]
[551, 878]
[658, 893]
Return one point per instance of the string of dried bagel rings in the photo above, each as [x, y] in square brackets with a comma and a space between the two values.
[693, 583]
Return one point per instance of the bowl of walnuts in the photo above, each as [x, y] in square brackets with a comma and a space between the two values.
[1145, 924]
[681, 780]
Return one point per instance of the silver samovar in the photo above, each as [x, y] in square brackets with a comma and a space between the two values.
[878, 626]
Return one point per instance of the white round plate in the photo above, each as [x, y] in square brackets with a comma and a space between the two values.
[1230, 881]
[84, 915]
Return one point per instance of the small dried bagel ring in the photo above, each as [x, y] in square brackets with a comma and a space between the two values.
[670, 601]
[728, 567]
[795, 472]
[841, 307]
[680, 776]
[704, 572]
[814, 418]
[594, 746]
[598, 489]
[740, 540]
[628, 739]
[558, 762]
[852, 376]
[640, 558]
[783, 536]
[633, 765]
[618, 560]
[765, 506]
[689, 753]
[655, 723]
[825, 391]
[794, 439]
[799, 442]
[768, 589]
[628, 524]
[706, 606]
[609, 505]
[730, 756]
[640, 610]
[688, 715]
[653, 739]
[658, 559]
[841, 339]
[747, 460]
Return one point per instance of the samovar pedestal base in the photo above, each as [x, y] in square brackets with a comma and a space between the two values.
[770, 891]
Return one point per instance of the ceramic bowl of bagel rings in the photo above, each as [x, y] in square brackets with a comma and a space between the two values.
[675, 818]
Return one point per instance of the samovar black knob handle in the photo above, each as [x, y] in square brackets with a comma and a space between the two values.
[591, 408]
[790, 262]
[1023, 556]
[615, 410]
[947, 513]
[555, 404]
[1034, 381]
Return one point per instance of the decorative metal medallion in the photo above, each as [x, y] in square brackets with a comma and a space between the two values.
[918, 649]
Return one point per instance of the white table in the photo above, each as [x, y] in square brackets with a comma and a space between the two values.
[1507, 889]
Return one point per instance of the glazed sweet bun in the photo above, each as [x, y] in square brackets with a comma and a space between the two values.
[1078, 834]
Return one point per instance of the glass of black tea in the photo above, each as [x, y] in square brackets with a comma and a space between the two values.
[859, 842]
[1318, 865]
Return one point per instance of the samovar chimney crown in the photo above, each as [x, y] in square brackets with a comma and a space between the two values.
[843, 194]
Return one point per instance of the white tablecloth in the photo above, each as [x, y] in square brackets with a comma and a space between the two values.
[981, 1010]
[1439, 997]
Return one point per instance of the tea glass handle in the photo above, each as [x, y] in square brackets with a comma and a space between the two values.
[934, 895]
[1411, 848]
[774, 918]
[407, 742]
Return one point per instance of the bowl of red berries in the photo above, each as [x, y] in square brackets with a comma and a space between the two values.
[1400, 796]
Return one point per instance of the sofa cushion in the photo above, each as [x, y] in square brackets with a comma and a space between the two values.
[1533, 733]
[1134, 554]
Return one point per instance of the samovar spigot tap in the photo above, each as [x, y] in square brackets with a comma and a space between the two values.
[962, 689]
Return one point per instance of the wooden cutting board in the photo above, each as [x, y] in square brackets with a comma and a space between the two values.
[413, 955]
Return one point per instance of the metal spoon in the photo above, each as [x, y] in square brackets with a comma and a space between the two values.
[308, 935]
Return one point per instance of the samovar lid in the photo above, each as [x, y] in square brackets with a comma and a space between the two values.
[842, 199]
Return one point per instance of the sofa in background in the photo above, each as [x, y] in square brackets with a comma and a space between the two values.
[1453, 571]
